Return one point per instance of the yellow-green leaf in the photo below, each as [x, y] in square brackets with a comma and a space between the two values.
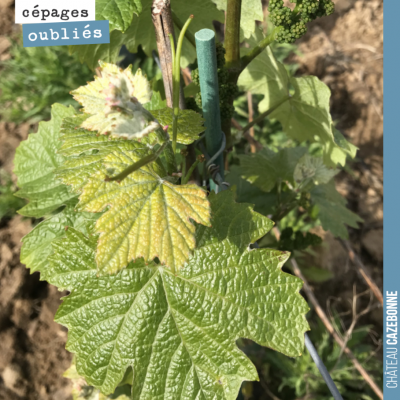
[147, 216]
[190, 123]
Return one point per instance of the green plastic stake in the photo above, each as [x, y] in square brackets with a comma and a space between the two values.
[207, 62]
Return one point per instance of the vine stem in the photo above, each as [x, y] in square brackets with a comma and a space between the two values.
[186, 178]
[137, 165]
[262, 45]
[232, 56]
[253, 148]
[232, 34]
[176, 77]
[253, 142]
[184, 166]
[163, 26]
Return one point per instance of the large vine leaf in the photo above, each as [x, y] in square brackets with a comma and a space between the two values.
[118, 12]
[305, 114]
[251, 12]
[266, 168]
[190, 123]
[178, 331]
[141, 32]
[35, 161]
[333, 214]
[148, 216]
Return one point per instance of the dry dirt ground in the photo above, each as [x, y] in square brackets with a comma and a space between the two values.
[345, 51]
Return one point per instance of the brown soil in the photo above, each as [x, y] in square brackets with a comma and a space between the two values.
[345, 51]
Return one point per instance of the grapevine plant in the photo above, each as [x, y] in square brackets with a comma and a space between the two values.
[162, 276]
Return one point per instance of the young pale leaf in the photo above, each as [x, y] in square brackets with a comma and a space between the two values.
[141, 32]
[251, 12]
[190, 123]
[36, 245]
[118, 12]
[266, 168]
[148, 216]
[313, 168]
[114, 102]
[333, 213]
[305, 114]
[36, 160]
[178, 331]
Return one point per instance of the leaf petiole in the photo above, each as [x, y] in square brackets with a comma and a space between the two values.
[137, 165]
[263, 44]
[176, 77]
[186, 178]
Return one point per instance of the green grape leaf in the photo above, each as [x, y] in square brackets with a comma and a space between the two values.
[178, 331]
[84, 151]
[148, 216]
[341, 149]
[66, 268]
[264, 75]
[265, 203]
[36, 245]
[141, 32]
[251, 12]
[333, 213]
[313, 169]
[36, 160]
[304, 115]
[118, 12]
[266, 168]
[190, 123]
[156, 102]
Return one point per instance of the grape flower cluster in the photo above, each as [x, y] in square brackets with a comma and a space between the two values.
[226, 89]
[292, 24]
